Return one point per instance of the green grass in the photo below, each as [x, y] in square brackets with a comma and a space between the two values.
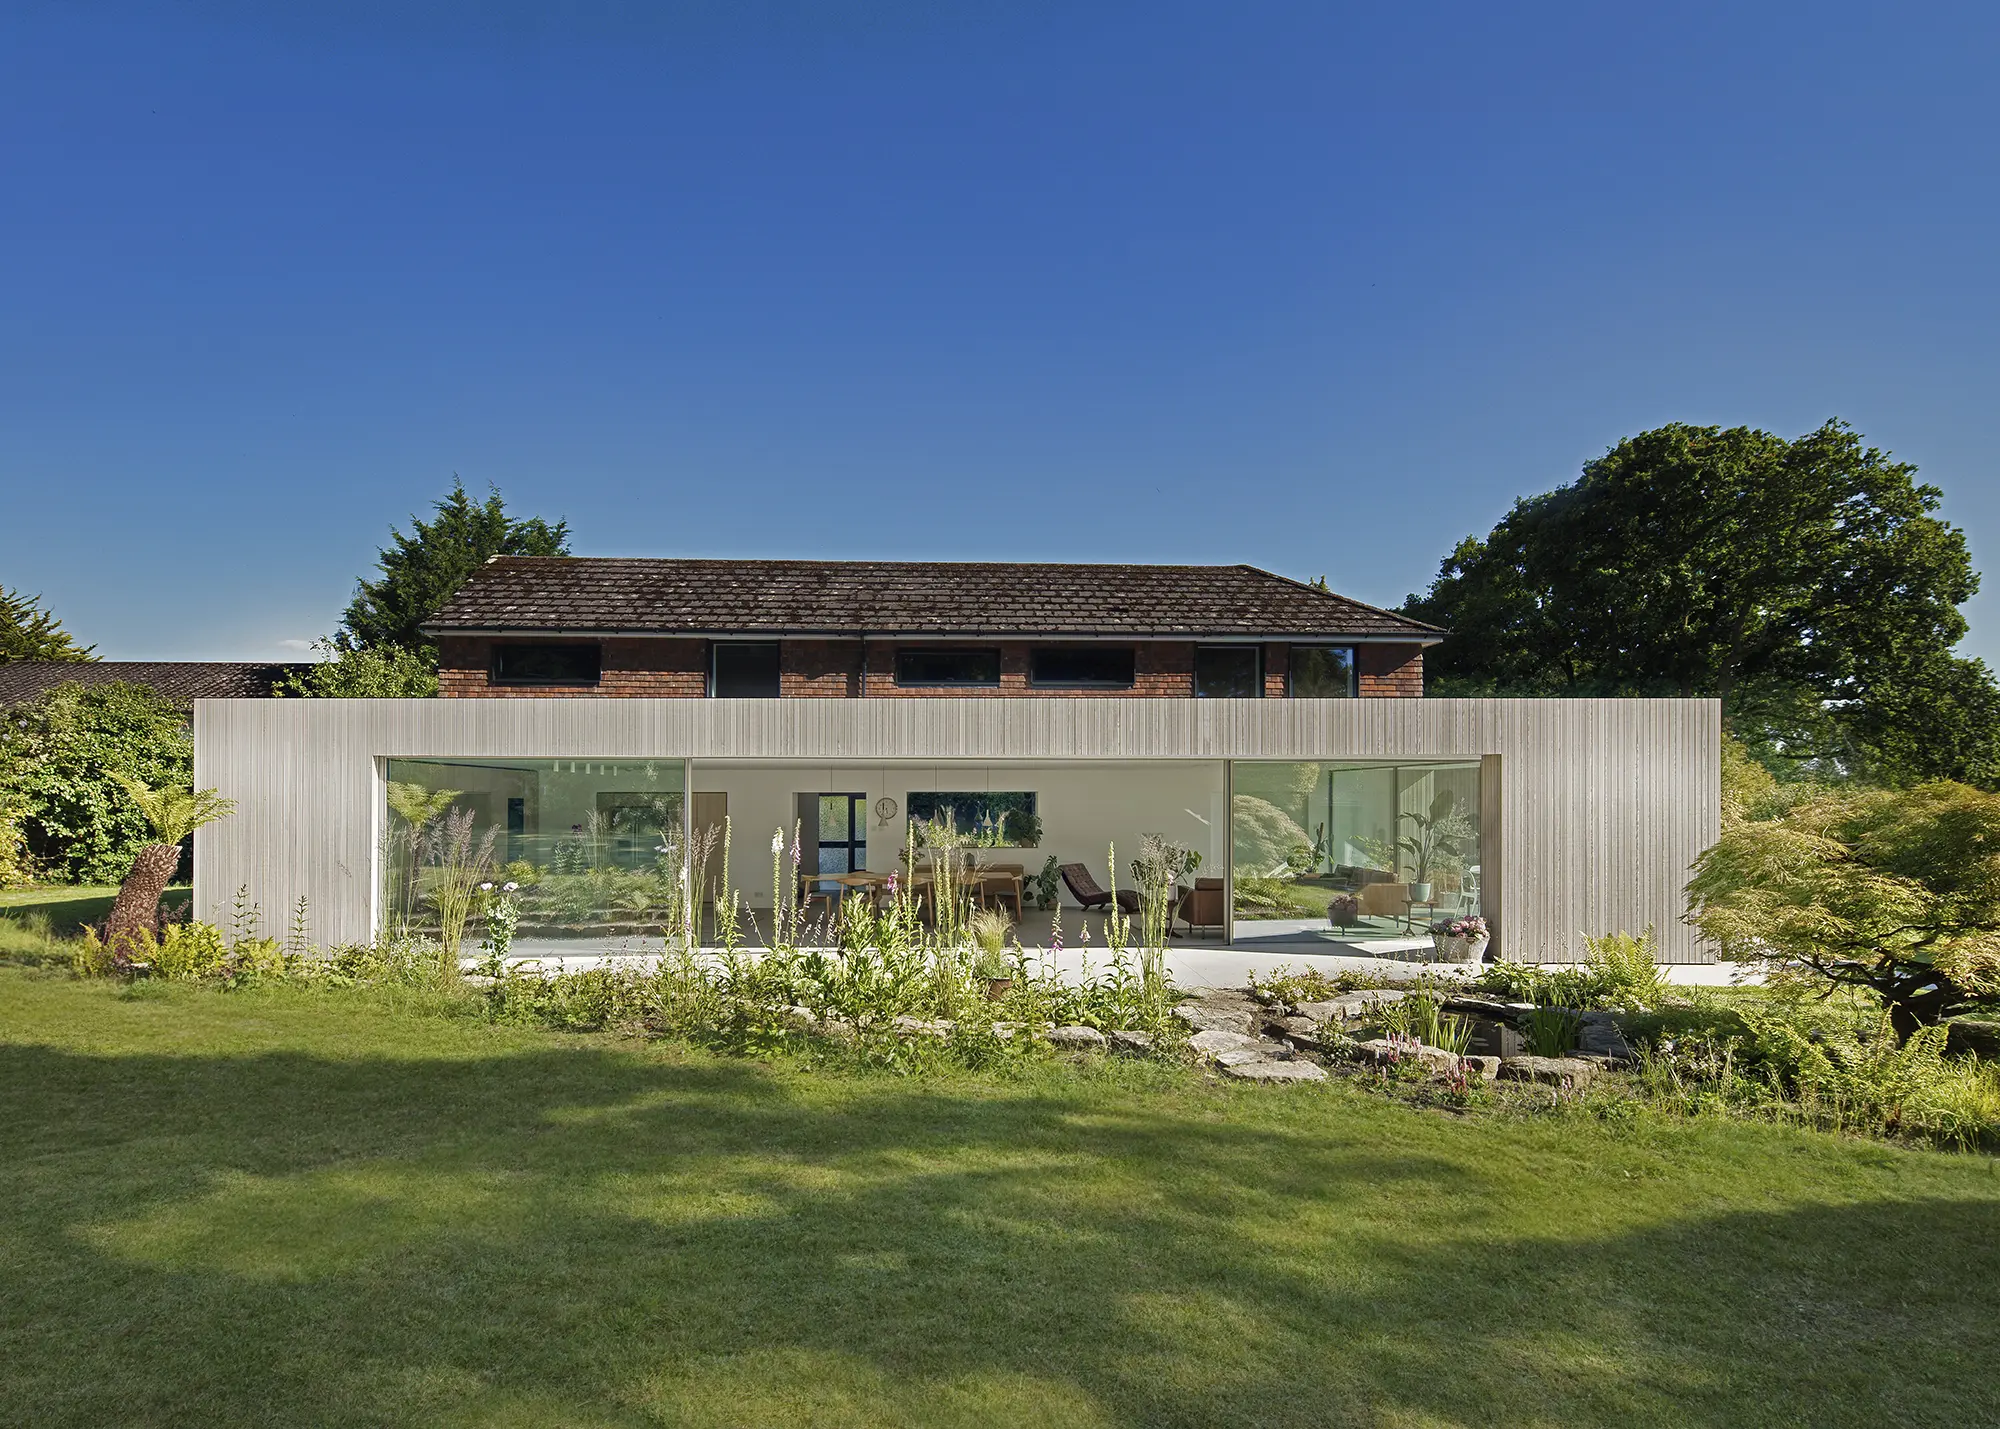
[69, 906]
[294, 1207]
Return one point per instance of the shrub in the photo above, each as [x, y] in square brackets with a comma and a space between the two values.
[58, 758]
[1619, 972]
[1624, 970]
[1896, 891]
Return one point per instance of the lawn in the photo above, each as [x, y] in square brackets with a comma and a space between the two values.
[68, 906]
[299, 1207]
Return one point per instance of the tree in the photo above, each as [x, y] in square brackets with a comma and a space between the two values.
[58, 754]
[1805, 583]
[424, 569]
[28, 632]
[1895, 891]
[174, 814]
[384, 672]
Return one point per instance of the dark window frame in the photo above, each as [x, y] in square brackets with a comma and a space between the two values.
[1353, 670]
[1037, 681]
[498, 674]
[1256, 653]
[715, 648]
[904, 651]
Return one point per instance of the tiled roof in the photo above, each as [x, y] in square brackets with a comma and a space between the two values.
[182, 681]
[611, 595]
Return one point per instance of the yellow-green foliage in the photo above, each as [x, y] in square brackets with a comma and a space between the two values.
[1626, 969]
[1897, 890]
[13, 860]
[184, 952]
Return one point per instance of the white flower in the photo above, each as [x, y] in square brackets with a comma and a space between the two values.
[509, 887]
[486, 888]
[778, 841]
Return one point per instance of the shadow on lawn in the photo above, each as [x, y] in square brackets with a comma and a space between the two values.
[582, 1236]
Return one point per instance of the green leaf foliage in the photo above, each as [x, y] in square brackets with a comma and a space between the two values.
[1895, 891]
[383, 672]
[424, 569]
[1807, 584]
[28, 632]
[173, 812]
[60, 756]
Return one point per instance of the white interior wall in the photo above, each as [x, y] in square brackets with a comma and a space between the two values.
[1085, 808]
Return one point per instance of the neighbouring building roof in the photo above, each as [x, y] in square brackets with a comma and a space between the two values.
[600, 595]
[182, 681]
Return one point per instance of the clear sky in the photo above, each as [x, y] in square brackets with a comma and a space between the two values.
[1318, 287]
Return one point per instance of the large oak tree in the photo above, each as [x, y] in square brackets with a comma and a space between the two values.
[1806, 583]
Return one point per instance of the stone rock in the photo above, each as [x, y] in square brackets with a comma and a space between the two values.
[1487, 1068]
[1275, 1071]
[1228, 1012]
[1471, 1005]
[1299, 1031]
[1322, 1011]
[1074, 1039]
[1383, 1053]
[1974, 1037]
[1006, 1031]
[1211, 1040]
[920, 1027]
[801, 1016]
[1134, 1044]
[1551, 1071]
[1235, 1049]
[1599, 1034]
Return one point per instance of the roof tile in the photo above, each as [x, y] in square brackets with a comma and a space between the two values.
[984, 598]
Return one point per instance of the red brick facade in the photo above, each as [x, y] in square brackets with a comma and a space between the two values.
[1394, 671]
[831, 669]
[643, 669]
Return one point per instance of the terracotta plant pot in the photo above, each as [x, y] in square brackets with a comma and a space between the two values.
[997, 988]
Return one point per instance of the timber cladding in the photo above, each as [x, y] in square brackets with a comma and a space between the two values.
[1601, 804]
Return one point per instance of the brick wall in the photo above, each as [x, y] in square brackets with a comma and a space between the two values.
[1161, 670]
[1277, 665]
[655, 669]
[831, 669]
[1392, 671]
[1387, 671]
[819, 669]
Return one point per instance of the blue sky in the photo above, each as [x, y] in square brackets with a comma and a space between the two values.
[1318, 287]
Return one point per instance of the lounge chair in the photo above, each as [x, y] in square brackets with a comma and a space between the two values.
[1201, 906]
[1083, 888]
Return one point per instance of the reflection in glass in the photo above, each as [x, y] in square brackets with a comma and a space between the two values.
[1228, 672]
[1387, 845]
[593, 843]
[1322, 672]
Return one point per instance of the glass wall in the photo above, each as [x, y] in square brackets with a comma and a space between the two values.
[593, 843]
[1352, 849]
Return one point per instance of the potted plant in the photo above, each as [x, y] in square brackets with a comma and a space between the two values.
[1344, 910]
[1460, 940]
[1438, 832]
[1048, 883]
